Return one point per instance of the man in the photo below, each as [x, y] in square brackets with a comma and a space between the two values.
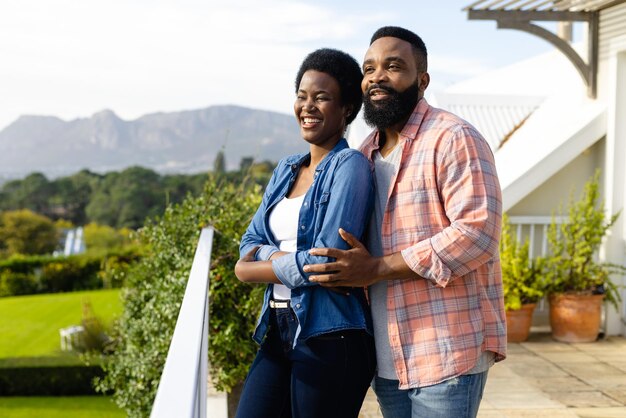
[434, 269]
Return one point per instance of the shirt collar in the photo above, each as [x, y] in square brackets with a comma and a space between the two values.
[298, 159]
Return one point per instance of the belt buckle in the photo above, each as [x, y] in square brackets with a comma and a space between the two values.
[279, 304]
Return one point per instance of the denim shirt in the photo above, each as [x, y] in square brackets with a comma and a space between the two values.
[341, 196]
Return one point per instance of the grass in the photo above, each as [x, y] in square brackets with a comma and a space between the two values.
[29, 325]
[59, 407]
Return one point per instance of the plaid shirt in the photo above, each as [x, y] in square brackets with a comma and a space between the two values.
[443, 213]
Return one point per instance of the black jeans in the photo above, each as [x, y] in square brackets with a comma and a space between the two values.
[322, 377]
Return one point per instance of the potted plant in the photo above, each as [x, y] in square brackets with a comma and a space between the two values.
[522, 282]
[578, 281]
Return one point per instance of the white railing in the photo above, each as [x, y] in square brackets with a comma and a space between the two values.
[535, 228]
[182, 390]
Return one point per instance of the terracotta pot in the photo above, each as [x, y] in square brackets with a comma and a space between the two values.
[575, 318]
[518, 323]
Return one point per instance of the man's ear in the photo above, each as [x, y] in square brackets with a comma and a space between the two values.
[424, 81]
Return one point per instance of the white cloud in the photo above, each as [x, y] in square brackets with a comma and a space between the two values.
[71, 59]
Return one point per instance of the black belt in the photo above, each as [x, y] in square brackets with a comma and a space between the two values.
[279, 304]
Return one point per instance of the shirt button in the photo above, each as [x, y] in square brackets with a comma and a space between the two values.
[305, 204]
[297, 306]
[302, 227]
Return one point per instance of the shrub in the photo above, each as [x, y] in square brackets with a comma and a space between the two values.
[71, 273]
[15, 284]
[48, 380]
[521, 276]
[155, 287]
[25, 232]
[572, 266]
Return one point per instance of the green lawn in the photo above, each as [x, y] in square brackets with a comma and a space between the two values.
[59, 407]
[29, 325]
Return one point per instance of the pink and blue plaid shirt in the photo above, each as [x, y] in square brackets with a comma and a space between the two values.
[443, 213]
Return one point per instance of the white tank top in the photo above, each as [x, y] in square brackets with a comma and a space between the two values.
[284, 226]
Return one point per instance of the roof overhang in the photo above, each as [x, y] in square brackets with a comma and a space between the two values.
[553, 136]
[519, 14]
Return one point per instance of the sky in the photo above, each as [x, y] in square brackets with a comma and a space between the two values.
[71, 59]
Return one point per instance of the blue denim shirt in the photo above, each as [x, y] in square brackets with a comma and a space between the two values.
[341, 196]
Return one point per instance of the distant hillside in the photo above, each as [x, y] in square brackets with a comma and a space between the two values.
[167, 142]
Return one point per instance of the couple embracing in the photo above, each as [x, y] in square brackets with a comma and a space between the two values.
[381, 264]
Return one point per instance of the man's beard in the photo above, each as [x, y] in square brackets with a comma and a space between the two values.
[397, 107]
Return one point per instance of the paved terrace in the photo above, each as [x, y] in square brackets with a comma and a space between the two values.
[539, 378]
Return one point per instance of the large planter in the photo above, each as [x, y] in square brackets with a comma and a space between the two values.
[518, 323]
[575, 318]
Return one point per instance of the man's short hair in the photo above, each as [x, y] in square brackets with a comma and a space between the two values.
[343, 68]
[419, 48]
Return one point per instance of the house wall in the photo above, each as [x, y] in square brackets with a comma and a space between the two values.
[612, 26]
[557, 189]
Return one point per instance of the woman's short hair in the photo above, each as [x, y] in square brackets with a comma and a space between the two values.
[343, 68]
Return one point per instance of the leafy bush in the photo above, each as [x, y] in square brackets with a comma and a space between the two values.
[155, 288]
[521, 277]
[572, 266]
[25, 232]
[69, 274]
[15, 284]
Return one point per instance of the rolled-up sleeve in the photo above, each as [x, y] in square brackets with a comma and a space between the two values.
[349, 207]
[470, 193]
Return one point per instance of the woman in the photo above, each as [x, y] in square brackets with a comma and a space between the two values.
[316, 355]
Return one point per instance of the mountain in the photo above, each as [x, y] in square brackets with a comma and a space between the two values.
[182, 142]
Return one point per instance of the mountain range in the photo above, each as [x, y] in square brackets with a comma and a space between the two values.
[181, 142]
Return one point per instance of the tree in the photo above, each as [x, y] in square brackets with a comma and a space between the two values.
[219, 165]
[31, 193]
[25, 232]
[104, 238]
[126, 198]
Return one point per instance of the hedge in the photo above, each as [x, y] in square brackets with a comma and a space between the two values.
[26, 275]
[48, 380]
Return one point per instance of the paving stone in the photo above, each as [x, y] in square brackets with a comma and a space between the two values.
[515, 348]
[501, 370]
[588, 399]
[548, 346]
[537, 413]
[506, 384]
[559, 384]
[521, 400]
[568, 357]
[590, 370]
[536, 368]
[617, 394]
[606, 382]
[619, 412]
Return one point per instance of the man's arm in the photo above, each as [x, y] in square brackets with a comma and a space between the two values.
[472, 199]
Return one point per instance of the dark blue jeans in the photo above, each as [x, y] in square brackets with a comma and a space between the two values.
[322, 377]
